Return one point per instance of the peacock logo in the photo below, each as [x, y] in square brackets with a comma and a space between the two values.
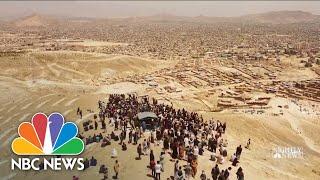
[47, 136]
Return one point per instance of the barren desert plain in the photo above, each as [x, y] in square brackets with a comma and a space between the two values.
[260, 76]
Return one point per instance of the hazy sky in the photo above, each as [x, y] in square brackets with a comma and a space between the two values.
[143, 8]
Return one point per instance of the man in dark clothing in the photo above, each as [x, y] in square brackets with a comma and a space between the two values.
[139, 151]
[235, 162]
[103, 125]
[240, 175]
[227, 172]
[215, 172]
[135, 138]
[86, 164]
[80, 113]
[224, 125]
[210, 144]
[130, 137]
[221, 176]
[151, 156]
[214, 145]
[121, 137]
[238, 151]
[93, 161]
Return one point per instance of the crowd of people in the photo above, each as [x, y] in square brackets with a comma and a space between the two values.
[182, 134]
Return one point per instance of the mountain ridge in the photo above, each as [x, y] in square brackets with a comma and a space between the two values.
[272, 17]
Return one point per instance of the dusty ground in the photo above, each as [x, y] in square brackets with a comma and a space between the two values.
[62, 81]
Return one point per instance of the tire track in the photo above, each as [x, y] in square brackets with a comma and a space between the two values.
[24, 117]
[6, 132]
[71, 101]
[43, 103]
[67, 112]
[26, 106]
[12, 108]
[9, 118]
[58, 102]
[9, 140]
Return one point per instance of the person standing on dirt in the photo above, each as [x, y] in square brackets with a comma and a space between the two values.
[80, 113]
[203, 175]
[176, 167]
[240, 175]
[215, 172]
[116, 169]
[162, 155]
[238, 151]
[139, 151]
[158, 170]
[151, 156]
[248, 144]
[95, 125]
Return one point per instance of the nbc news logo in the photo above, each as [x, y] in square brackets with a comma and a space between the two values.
[47, 136]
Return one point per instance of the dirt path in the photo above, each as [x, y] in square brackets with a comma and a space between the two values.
[57, 69]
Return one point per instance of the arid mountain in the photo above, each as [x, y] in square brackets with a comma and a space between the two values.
[275, 17]
[282, 17]
[34, 20]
